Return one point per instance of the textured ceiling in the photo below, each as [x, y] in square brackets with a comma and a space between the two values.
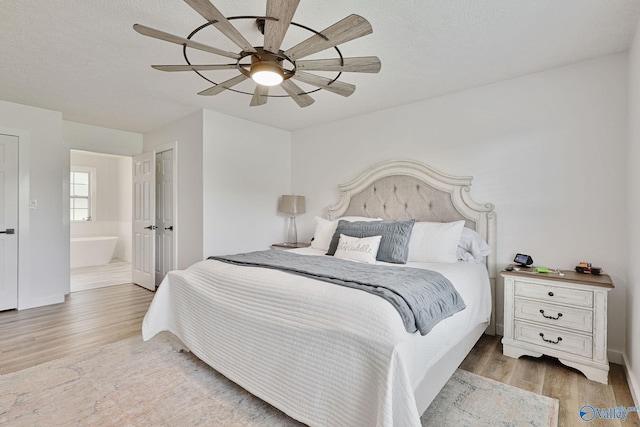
[83, 58]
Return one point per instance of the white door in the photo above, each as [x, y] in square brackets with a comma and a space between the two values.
[164, 214]
[8, 222]
[144, 207]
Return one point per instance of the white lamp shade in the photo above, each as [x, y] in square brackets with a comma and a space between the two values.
[292, 204]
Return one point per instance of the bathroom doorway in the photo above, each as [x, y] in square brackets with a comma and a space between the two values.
[100, 200]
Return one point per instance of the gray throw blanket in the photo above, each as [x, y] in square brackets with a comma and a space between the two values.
[422, 297]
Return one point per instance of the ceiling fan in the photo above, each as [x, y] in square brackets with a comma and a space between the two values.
[270, 65]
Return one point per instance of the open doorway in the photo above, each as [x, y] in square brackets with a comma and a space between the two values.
[100, 211]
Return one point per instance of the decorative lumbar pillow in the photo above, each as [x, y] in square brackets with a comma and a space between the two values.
[435, 241]
[472, 247]
[325, 229]
[394, 245]
[356, 249]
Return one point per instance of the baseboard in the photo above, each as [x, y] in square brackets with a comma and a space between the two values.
[633, 381]
[40, 302]
[500, 328]
[616, 357]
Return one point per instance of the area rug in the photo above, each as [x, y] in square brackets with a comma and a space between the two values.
[132, 383]
[471, 400]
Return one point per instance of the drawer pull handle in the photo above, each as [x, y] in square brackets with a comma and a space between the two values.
[550, 341]
[550, 294]
[550, 317]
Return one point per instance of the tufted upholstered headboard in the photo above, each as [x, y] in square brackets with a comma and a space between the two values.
[406, 189]
[402, 197]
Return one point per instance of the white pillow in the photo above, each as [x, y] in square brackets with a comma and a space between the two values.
[435, 241]
[325, 229]
[362, 250]
[323, 233]
[472, 247]
[357, 218]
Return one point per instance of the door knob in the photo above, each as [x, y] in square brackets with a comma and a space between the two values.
[8, 231]
[151, 227]
[170, 228]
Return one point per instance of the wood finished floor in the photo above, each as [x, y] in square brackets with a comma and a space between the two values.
[95, 317]
[117, 272]
[549, 377]
[86, 320]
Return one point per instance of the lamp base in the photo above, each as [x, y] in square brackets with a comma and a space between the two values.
[292, 237]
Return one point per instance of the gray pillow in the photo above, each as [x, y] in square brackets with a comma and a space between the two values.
[394, 245]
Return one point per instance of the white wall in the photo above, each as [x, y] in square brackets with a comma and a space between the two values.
[101, 140]
[124, 249]
[187, 135]
[247, 167]
[548, 149]
[231, 173]
[113, 203]
[633, 157]
[44, 232]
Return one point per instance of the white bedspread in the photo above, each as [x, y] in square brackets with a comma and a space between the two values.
[324, 354]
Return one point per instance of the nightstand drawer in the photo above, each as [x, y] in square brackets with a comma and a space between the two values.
[554, 315]
[561, 341]
[554, 294]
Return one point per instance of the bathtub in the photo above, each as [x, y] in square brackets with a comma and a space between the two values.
[86, 251]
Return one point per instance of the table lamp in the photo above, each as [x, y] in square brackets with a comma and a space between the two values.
[292, 205]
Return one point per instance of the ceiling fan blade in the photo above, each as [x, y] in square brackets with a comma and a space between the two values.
[161, 35]
[297, 94]
[350, 28]
[194, 67]
[220, 87]
[274, 31]
[365, 64]
[209, 12]
[344, 89]
[260, 95]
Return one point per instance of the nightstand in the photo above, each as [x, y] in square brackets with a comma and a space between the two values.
[285, 246]
[559, 316]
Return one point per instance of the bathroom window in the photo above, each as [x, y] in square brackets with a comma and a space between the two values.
[81, 193]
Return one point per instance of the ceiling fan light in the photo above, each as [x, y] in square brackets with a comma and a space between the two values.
[267, 73]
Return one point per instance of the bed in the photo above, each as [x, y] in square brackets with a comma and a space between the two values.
[330, 355]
